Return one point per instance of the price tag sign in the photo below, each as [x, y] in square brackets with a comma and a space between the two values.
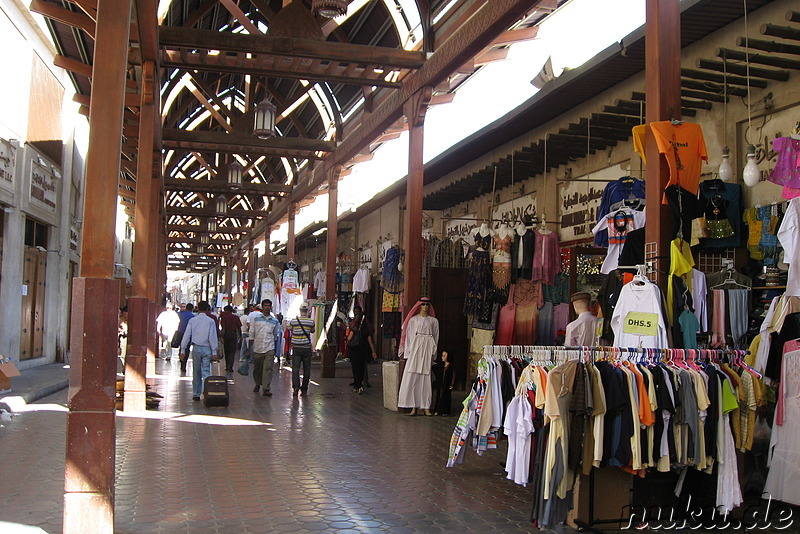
[643, 324]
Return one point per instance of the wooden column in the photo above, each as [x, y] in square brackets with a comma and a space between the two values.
[251, 269]
[143, 248]
[156, 228]
[663, 89]
[267, 250]
[414, 110]
[290, 248]
[329, 354]
[90, 443]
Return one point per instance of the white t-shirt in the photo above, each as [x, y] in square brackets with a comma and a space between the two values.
[645, 298]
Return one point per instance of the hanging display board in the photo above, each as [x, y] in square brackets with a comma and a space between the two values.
[515, 210]
[460, 227]
[579, 202]
[8, 161]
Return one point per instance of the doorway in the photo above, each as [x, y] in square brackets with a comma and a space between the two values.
[448, 287]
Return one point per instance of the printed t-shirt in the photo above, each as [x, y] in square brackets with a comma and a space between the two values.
[685, 150]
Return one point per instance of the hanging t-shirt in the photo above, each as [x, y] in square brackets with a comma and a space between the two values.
[789, 236]
[685, 150]
[618, 224]
[639, 299]
[291, 294]
[361, 281]
[787, 166]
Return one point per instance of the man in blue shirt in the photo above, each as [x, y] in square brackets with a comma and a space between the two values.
[201, 333]
[264, 332]
[185, 314]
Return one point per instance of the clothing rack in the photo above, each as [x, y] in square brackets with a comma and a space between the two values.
[551, 355]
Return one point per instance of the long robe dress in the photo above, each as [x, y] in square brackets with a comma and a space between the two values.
[422, 337]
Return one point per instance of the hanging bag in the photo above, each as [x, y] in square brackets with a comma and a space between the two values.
[354, 338]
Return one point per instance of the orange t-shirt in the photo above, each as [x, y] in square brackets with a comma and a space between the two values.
[685, 149]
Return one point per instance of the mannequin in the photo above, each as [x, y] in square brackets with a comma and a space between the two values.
[418, 344]
[583, 330]
[501, 259]
[543, 226]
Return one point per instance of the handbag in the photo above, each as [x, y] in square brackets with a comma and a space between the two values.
[355, 337]
[177, 337]
[244, 368]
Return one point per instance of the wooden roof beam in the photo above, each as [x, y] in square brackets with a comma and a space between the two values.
[65, 16]
[221, 186]
[171, 37]
[240, 143]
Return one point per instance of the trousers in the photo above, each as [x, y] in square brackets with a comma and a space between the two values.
[301, 356]
[263, 363]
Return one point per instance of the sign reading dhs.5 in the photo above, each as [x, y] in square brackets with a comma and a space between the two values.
[644, 324]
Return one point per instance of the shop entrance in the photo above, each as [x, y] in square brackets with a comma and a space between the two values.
[448, 287]
[33, 285]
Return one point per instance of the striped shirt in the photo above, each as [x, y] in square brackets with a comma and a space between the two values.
[299, 338]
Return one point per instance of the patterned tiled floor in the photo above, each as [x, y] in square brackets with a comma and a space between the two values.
[333, 461]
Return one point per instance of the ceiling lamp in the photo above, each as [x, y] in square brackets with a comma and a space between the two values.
[751, 174]
[212, 224]
[222, 204]
[204, 239]
[234, 175]
[264, 126]
[200, 249]
[725, 168]
[329, 8]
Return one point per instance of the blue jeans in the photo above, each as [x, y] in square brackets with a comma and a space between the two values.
[201, 367]
[301, 356]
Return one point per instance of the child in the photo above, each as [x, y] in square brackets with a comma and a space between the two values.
[444, 379]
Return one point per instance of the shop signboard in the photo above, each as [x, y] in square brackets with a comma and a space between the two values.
[8, 159]
[515, 210]
[43, 184]
[460, 227]
[579, 202]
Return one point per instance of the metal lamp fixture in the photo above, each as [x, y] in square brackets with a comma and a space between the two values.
[329, 8]
[234, 175]
[200, 249]
[204, 239]
[264, 126]
[212, 224]
[222, 204]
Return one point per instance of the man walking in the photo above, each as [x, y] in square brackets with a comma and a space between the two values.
[185, 315]
[166, 325]
[302, 328]
[264, 333]
[231, 332]
[201, 333]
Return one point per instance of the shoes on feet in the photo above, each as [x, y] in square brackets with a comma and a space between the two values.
[295, 392]
[195, 399]
[255, 389]
[267, 393]
[304, 392]
[359, 390]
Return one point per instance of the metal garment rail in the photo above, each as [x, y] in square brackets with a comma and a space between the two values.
[553, 355]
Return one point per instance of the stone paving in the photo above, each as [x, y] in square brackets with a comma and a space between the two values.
[332, 461]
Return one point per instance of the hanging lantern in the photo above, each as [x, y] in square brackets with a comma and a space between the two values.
[204, 239]
[264, 126]
[212, 224]
[200, 249]
[234, 175]
[329, 8]
[222, 204]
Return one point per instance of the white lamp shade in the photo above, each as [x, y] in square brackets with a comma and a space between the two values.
[725, 168]
[212, 224]
[329, 8]
[751, 174]
[222, 204]
[265, 119]
[204, 239]
[234, 175]
[200, 249]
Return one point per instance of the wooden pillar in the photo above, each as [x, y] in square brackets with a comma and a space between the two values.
[143, 248]
[663, 90]
[414, 110]
[290, 248]
[90, 443]
[329, 354]
[251, 270]
[267, 250]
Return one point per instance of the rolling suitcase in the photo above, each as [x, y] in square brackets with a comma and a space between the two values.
[215, 389]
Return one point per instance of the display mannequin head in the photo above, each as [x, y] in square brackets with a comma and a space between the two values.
[580, 302]
[424, 306]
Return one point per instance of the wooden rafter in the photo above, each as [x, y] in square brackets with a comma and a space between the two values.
[221, 186]
[238, 143]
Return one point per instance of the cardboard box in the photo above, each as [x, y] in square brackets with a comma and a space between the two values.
[7, 370]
